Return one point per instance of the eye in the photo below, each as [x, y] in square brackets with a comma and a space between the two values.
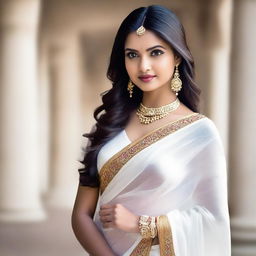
[131, 55]
[156, 52]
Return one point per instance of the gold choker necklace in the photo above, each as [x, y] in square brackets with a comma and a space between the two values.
[148, 115]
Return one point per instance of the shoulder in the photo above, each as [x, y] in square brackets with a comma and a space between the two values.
[207, 129]
[208, 124]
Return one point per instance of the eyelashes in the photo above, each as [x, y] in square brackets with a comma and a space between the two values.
[157, 52]
[153, 53]
[131, 55]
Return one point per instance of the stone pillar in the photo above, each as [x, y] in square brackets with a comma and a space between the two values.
[208, 27]
[19, 165]
[219, 47]
[66, 130]
[44, 116]
[242, 131]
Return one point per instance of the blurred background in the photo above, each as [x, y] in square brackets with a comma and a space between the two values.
[53, 60]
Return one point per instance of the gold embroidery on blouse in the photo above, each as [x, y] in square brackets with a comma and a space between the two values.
[165, 236]
[143, 247]
[116, 162]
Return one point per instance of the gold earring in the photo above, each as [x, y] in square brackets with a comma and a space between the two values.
[130, 88]
[176, 83]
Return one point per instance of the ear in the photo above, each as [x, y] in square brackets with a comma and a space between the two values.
[177, 60]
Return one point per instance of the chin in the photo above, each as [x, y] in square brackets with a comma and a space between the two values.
[149, 88]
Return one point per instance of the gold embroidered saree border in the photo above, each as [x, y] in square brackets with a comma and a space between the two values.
[115, 163]
[165, 236]
[143, 248]
[164, 233]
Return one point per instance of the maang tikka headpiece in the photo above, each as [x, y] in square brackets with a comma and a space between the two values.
[141, 30]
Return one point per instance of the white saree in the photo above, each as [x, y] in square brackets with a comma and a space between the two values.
[178, 172]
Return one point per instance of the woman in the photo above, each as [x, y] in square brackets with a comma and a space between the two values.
[154, 175]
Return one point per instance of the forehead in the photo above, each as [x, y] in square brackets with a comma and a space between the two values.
[145, 41]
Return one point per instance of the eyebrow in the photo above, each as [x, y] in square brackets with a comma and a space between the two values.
[149, 49]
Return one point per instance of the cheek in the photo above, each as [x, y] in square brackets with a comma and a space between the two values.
[165, 66]
[167, 63]
[130, 68]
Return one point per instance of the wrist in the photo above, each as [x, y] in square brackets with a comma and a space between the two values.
[136, 224]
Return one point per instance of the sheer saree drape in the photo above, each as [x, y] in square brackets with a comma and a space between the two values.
[179, 172]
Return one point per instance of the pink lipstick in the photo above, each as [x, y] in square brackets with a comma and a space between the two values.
[146, 78]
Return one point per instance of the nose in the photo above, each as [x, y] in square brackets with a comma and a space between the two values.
[144, 64]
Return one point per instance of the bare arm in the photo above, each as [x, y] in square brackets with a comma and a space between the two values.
[83, 226]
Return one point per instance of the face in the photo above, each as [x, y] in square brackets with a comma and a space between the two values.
[149, 61]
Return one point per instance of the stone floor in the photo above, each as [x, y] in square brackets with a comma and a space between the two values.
[52, 237]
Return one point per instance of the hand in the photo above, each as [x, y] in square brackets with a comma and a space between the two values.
[117, 216]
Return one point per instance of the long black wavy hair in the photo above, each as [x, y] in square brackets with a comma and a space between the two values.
[114, 113]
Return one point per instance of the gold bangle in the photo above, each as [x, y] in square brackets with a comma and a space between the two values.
[147, 226]
[153, 228]
[144, 226]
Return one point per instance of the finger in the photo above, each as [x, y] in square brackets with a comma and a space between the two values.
[106, 206]
[105, 212]
[106, 218]
[108, 225]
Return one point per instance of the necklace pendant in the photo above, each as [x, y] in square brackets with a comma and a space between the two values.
[148, 115]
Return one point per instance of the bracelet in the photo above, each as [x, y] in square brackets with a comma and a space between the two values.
[147, 226]
[144, 226]
[153, 228]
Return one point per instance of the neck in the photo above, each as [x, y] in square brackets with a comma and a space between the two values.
[154, 100]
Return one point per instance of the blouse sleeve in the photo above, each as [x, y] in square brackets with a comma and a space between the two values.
[204, 229]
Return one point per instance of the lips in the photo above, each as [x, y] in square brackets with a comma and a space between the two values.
[146, 78]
